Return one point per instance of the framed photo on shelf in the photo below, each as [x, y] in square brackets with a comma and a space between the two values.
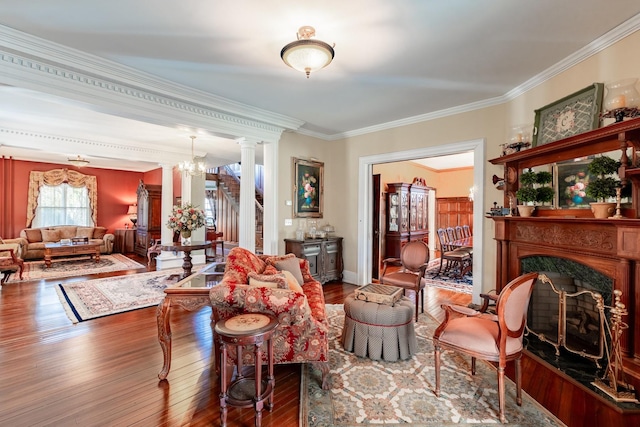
[571, 115]
[308, 188]
[571, 180]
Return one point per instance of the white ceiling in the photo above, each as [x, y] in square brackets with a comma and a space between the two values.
[396, 61]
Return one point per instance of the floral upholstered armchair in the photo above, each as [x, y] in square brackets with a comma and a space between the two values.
[253, 284]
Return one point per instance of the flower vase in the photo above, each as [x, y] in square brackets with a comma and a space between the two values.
[186, 237]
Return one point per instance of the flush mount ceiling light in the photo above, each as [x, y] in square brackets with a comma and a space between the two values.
[307, 55]
[79, 161]
[193, 167]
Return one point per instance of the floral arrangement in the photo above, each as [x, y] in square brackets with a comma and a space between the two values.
[186, 218]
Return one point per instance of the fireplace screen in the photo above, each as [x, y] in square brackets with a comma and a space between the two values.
[566, 316]
[566, 309]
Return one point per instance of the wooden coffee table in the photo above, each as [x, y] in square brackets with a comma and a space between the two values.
[191, 293]
[58, 249]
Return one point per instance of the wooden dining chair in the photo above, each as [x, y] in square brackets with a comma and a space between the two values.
[459, 233]
[459, 259]
[466, 230]
[493, 337]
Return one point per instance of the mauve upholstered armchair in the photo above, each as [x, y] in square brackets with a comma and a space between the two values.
[413, 262]
[493, 337]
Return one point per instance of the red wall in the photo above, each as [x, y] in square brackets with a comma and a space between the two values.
[116, 191]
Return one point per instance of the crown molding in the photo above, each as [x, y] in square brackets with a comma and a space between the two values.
[33, 140]
[620, 32]
[38, 64]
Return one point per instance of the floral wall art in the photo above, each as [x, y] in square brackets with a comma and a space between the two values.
[308, 191]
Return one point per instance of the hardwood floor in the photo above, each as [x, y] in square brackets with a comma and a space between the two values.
[104, 371]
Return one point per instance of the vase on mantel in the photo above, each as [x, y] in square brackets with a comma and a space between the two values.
[186, 237]
[525, 210]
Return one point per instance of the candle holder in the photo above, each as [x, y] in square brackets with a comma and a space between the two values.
[618, 214]
[622, 100]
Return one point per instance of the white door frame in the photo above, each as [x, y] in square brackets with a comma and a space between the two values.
[365, 205]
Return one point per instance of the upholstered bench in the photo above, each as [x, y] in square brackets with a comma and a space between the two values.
[379, 331]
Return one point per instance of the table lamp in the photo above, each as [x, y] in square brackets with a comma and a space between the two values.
[133, 214]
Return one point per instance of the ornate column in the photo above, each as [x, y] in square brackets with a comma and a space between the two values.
[247, 223]
[167, 259]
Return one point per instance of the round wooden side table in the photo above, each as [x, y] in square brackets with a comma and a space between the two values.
[244, 392]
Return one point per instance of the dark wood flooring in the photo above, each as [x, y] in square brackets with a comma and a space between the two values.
[103, 372]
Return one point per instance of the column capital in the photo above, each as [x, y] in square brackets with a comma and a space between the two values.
[247, 142]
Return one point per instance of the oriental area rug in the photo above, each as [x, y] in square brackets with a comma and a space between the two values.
[111, 295]
[364, 392]
[447, 280]
[74, 266]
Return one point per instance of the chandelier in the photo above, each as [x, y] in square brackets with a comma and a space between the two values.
[78, 161]
[193, 167]
[307, 55]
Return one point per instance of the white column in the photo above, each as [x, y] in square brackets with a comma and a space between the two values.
[270, 220]
[167, 259]
[167, 202]
[247, 223]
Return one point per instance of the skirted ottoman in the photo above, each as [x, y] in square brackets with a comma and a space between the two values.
[379, 331]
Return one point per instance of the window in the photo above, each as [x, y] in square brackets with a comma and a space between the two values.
[62, 205]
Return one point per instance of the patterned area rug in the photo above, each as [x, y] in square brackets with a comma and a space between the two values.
[365, 392]
[103, 297]
[447, 280]
[74, 266]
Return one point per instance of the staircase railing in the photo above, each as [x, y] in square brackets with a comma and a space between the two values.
[229, 206]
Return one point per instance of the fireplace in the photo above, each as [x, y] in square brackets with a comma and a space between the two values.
[567, 311]
[583, 258]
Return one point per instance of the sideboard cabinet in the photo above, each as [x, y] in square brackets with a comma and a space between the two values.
[324, 256]
[407, 216]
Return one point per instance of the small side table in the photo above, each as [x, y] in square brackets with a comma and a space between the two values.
[245, 392]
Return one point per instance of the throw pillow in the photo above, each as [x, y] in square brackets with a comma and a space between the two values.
[67, 232]
[84, 232]
[270, 269]
[34, 235]
[99, 232]
[267, 280]
[50, 235]
[292, 282]
[290, 263]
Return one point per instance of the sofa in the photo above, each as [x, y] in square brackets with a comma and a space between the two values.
[302, 335]
[32, 240]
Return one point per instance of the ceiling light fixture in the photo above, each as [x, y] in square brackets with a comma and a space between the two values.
[307, 55]
[79, 161]
[193, 167]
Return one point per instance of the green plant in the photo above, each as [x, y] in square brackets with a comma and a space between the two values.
[529, 193]
[604, 185]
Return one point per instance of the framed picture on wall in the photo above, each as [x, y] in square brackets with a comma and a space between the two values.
[572, 179]
[571, 115]
[308, 188]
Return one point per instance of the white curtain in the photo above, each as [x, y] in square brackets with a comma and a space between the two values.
[56, 177]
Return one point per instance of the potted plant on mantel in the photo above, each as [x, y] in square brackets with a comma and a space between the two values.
[528, 194]
[604, 186]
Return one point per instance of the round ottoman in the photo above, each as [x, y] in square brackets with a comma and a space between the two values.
[379, 331]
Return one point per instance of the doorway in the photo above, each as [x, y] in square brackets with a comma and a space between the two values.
[365, 203]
